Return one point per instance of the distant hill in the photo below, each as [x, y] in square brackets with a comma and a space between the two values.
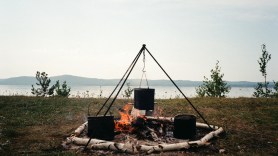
[76, 80]
[22, 80]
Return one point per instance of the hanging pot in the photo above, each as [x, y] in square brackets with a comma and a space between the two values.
[101, 127]
[144, 98]
[184, 126]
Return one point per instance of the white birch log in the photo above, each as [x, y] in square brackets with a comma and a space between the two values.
[182, 145]
[120, 147]
[159, 118]
[104, 145]
[80, 129]
[203, 125]
[163, 147]
[212, 134]
[204, 141]
[128, 148]
[83, 141]
[133, 149]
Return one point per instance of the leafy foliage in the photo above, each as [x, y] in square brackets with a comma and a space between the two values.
[275, 94]
[128, 91]
[215, 87]
[63, 91]
[262, 89]
[43, 82]
[264, 60]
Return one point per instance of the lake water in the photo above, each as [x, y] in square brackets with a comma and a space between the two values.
[161, 92]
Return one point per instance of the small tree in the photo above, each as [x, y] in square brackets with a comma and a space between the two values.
[128, 91]
[43, 82]
[262, 89]
[275, 93]
[63, 91]
[215, 87]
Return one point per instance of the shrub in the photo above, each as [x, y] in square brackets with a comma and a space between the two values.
[128, 91]
[215, 87]
[63, 91]
[43, 83]
[262, 89]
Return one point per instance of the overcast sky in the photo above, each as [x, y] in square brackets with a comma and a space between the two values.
[100, 38]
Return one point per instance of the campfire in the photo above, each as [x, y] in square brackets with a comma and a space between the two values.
[137, 133]
[131, 122]
[138, 130]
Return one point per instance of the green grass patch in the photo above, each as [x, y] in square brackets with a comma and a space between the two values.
[37, 126]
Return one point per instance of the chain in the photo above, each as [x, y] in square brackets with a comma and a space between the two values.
[144, 71]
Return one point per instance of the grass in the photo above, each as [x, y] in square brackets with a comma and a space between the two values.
[37, 126]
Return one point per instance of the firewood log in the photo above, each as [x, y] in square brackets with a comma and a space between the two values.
[80, 129]
[171, 119]
[204, 141]
[133, 149]
[163, 147]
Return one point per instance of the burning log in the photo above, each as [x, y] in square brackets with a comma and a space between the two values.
[147, 129]
[153, 135]
[147, 133]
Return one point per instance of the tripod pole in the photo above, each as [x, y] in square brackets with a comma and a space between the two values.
[179, 90]
[142, 49]
[137, 56]
[130, 70]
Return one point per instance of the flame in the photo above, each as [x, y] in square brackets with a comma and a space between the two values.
[128, 116]
[124, 124]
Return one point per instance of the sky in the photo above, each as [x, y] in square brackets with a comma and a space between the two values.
[100, 38]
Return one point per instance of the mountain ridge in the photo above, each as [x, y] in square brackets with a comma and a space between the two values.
[78, 80]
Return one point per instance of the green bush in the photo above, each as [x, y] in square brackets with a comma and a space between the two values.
[63, 91]
[43, 83]
[215, 87]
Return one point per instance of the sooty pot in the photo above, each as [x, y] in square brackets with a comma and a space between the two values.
[101, 127]
[184, 126]
[144, 98]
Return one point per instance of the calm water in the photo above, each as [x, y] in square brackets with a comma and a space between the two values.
[161, 92]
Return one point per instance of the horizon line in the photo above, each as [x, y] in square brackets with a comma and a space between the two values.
[130, 79]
